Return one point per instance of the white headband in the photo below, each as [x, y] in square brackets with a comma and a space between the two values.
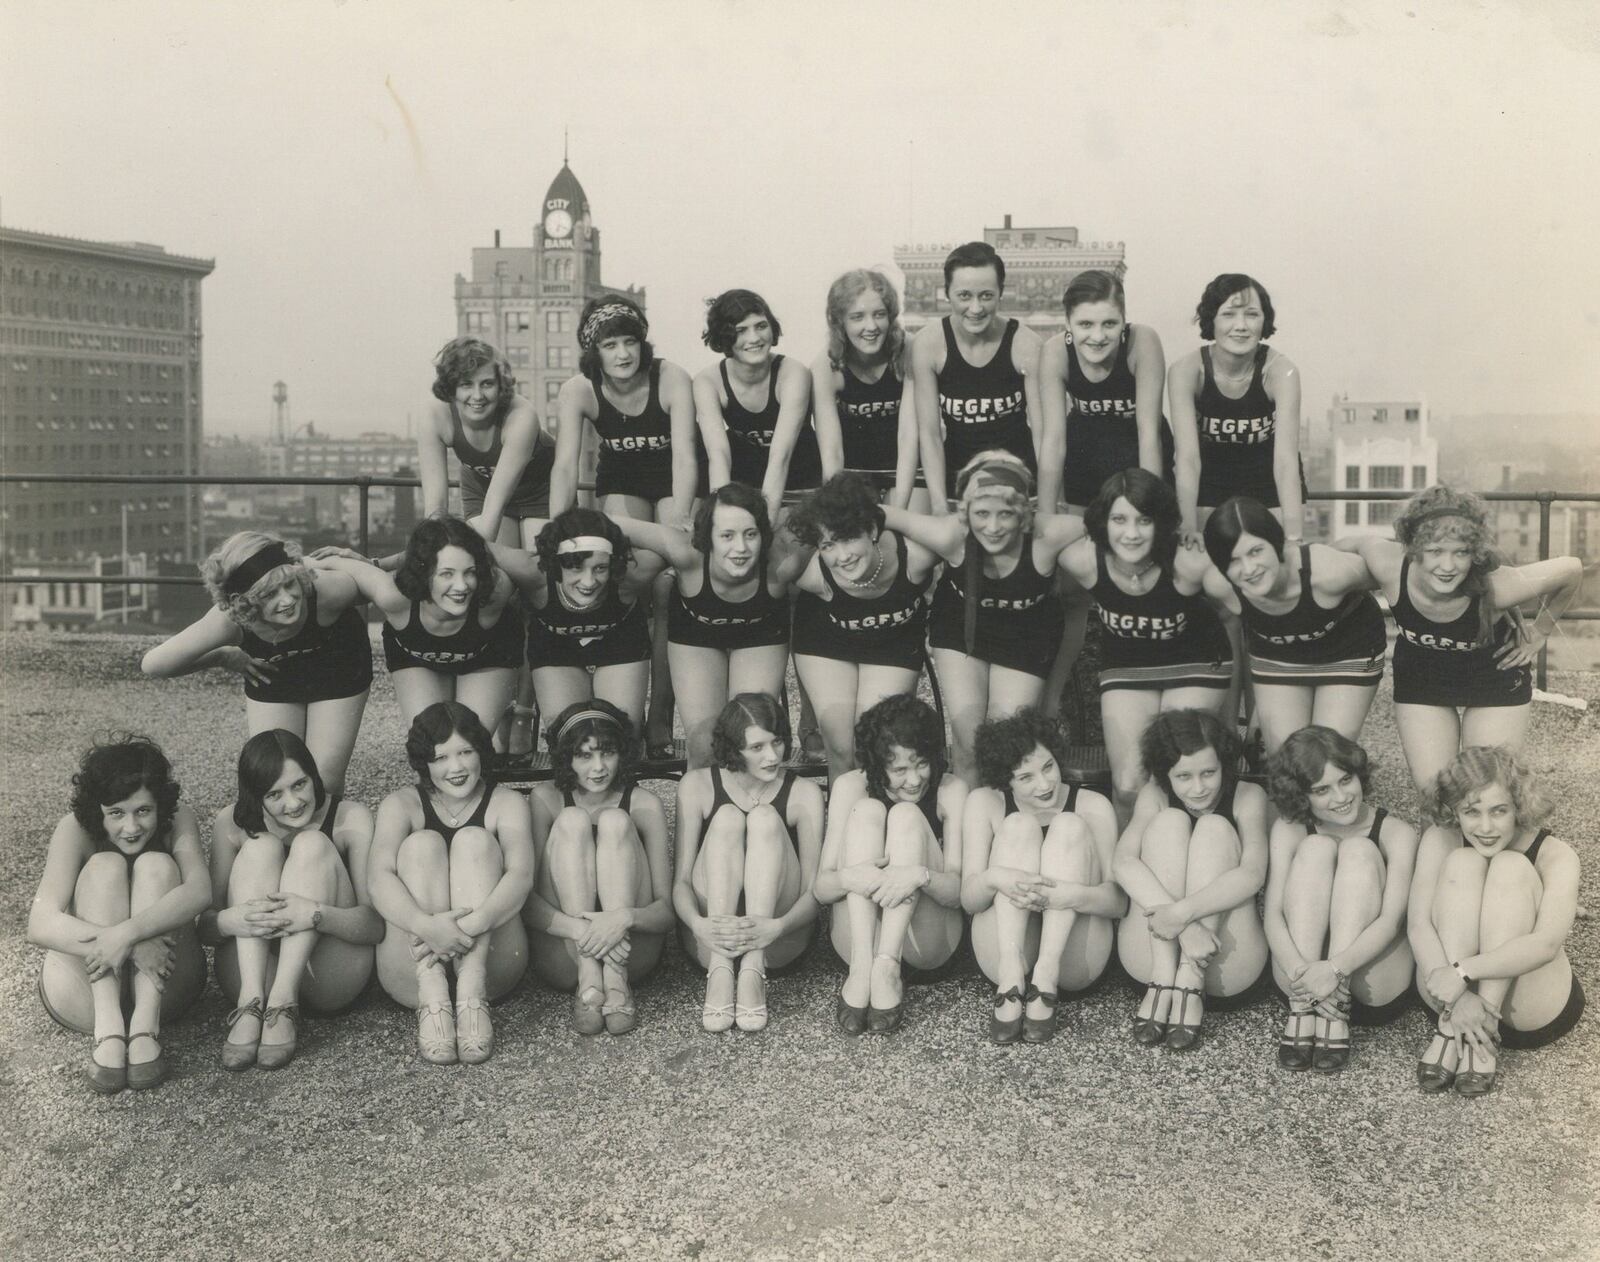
[584, 543]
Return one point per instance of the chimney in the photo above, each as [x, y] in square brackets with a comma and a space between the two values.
[497, 238]
[1505, 477]
[1008, 221]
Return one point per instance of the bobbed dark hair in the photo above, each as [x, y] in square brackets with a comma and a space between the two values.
[436, 725]
[844, 507]
[1219, 291]
[974, 254]
[1150, 496]
[431, 536]
[1240, 515]
[261, 762]
[902, 720]
[1299, 764]
[460, 358]
[1174, 734]
[724, 312]
[575, 523]
[743, 712]
[611, 730]
[113, 770]
[589, 356]
[1002, 744]
[731, 495]
[1094, 286]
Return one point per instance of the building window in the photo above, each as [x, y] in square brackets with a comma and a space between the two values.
[1380, 414]
[1413, 414]
[1352, 477]
[552, 390]
[516, 322]
[1352, 513]
[1419, 476]
[1382, 514]
[558, 357]
[558, 322]
[477, 322]
[1387, 477]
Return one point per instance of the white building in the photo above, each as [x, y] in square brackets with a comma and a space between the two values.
[1376, 446]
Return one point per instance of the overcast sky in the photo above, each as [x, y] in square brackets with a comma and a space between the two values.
[1417, 186]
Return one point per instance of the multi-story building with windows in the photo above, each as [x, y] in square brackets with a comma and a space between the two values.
[1039, 263]
[1369, 446]
[525, 299]
[100, 372]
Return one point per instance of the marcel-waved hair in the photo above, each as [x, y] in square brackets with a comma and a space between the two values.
[432, 536]
[743, 712]
[1240, 515]
[113, 770]
[1174, 734]
[589, 357]
[1216, 295]
[1094, 286]
[841, 294]
[1441, 512]
[261, 762]
[244, 608]
[906, 721]
[1002, 744]
[844, 507]
[1474, 770]
[436, 725]
[724, 312]
[1150, 496]
[460, 358]
[975, 254]
[1300, 763]
[731, 495]
[576, 523]
[612, 732]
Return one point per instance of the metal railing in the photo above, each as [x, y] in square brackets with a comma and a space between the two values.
[364, 484]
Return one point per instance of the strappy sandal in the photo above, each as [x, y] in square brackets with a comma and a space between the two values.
[587, 1015]
[107, 1079]
[1295, 1047]
[1004, 1033]
[887, 1020]
[436, 1033]
[474, 1031]
[277, 1055]
[1149, 1031]
[1333, 1054]
[1434, 1076]
[1184, 1036]
[715, 1018]
[237, 1056]
[1471, 1080]
[1039, 1029]
[619, 1015]
[751, 1017]
[143, 1075]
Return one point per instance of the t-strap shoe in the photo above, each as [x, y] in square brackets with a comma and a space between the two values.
[107, 1079]
[1297, 1042]
[1001, 1032]
[751, 1017]
[1039, 1029]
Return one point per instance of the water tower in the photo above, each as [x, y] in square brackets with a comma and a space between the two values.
[280, 414]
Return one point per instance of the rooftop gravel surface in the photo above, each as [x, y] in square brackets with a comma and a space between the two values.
[794, 1143]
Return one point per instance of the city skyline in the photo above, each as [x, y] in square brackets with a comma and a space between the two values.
[1403, 188]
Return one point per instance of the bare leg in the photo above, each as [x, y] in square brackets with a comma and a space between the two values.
[1457, 915]
[624, 686]
[331, 730]
[1495, 725]
[1430, 737]
[1018, 844]
[1125, 713]
[101, 897]
[1282, 709]
[906, 840]
[863, 843]
[832, 686]
[257, 871]
[619, 863]
[1165, 851]
[718, 878]
[1076, 604]
[702, 687]
[658, 725]
[416, 688]
[1343, 707]
[154, 876]
[423, 865]
[965, 683]
[487, 693]
[766, 838]
[1073, 947]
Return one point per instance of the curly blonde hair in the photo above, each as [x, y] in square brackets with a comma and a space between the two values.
[244, 608]
[1474, 770]
[1441, 512]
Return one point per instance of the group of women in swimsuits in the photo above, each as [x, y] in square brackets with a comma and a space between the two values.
[773, 513]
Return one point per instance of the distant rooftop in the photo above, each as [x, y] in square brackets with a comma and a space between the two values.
[126, 251]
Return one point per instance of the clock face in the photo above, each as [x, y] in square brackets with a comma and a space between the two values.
[558, 223]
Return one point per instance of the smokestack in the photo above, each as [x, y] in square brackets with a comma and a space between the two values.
[1008, 221]
[497, 238]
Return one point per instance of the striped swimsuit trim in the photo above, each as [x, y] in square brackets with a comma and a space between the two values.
[1355, 671]
[1178, 675]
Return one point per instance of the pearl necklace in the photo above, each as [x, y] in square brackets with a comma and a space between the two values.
[1133, 576]
[873, 577]
[455, 820]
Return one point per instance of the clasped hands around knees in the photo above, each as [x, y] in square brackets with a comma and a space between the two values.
[736, 935]
[269, 916]
[1471, 1019]
[111, 947]
[604, 936]
[1318, 985]
[443, 937]
[886, 884]
[1170, 922]
[1029, 891]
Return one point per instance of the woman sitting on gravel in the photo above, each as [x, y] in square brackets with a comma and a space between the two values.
[1192, 860]
[891, 864]
[452, 864]
[293, 635]
[1337, 880]
[602, 905]
[1492, 903]
[749, 838]
[123, 881]
[1036, 875]
[290, 915]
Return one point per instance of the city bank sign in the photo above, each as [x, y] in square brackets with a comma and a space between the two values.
[558, 224]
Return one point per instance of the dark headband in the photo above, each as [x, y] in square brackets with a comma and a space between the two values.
[254, 568]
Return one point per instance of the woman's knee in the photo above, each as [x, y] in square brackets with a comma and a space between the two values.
[476, 846]
[425, 847]
[726, 826]
[570, 823]
[905, 833]
[1315, 860]
[1017, 842]
[104, 872]
[312, 850]
[1068, 849]
[614, 829]
[1359, 860]
[1214, 838]
[152, 872]
[1464, 868]
[1127, 778]
[764, 826]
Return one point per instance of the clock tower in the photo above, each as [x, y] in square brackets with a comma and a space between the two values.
[525, 299]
